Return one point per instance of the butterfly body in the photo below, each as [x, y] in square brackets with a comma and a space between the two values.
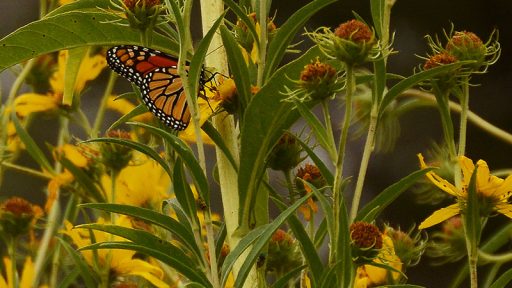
[155, 73]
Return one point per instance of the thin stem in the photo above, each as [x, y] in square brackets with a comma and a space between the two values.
[9, 104]
[210, 237]
[262, 40]
[12, 255]
[328, 127]
[365, 159]
[463, 117]
[291, 187]
[337, 196]
[495, 258]
[100, 115]
[26, 170]
[472, 117]
[53, 222]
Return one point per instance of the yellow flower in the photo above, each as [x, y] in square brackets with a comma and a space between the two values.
[90, 68]
[144, 183]
[26, 278]
[122, 262]
[493, 192]
[370, 276]
[123, 106]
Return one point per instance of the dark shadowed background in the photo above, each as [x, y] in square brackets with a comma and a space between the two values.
[411, 20]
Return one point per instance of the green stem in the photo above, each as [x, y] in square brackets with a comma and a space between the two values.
[328, 126]
[9, 104]
[210, 238]
[496, 258]
[464, 103]
[365, 159]
[12, 255]
[100, 115]
[262, 40]
[289, 183]
[53, 222]
[446, 122]
[337, 196]
[472, 117]
[27, 171]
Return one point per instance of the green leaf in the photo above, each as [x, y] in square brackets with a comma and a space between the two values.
[89, 280]
[191, 272]
[238, 67]
[307, 247]
[344, 252]
[178, 230]
[242, 15]
[196, 64]
[92, 190]
[317, 127]
[473, 224]
[256, 238]
[503, 280]
[140, 109]
[371, 210]
[282, 282]
[288, 31]
[70, 30]
[267, 116]
[145, 149]
[75, 57]
[183, 193]
[30, 144]
[326, 173]
[377, 8]
[219, 142]
[82, 5]
[414, 80]
[186, 154]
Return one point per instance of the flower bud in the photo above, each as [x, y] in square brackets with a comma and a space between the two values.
[142, 14]
[116, 156]
[319, 80]
[286, 154]
[311, 174]
[408, 246]
[283, 253]
[366, 240]
[449, 244]
[467, 46]
[17, 215]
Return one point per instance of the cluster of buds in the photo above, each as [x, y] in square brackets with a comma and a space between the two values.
[142, 14]
[286, 154]
[244, 37]
[461, 46]
[17, 216]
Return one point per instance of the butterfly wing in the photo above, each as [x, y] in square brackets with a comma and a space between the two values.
[163, 93]
[135, 62]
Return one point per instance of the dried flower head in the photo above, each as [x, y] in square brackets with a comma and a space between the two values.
[353, 42]
[311, 174]
[318, 80]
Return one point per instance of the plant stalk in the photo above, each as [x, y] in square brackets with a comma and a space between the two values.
[100, 115]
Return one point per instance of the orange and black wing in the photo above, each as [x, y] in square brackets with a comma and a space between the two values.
[163, 93]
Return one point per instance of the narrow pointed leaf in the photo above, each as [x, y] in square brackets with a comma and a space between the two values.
[140, 109]
[326, 173]
[178, 230]
[75, 57]
[145, 149]
[183, 193]
[503, 280]
[371, 210]
[186, 154]
[84, 271]
[317, 127]
[30, 145]
[236, 8]
[219, 142]
[283, 281]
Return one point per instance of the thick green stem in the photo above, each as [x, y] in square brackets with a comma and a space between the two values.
[12, 255]
[365, 159]
[262, 40]
[100, 115]
[210, 237]
[338, 180]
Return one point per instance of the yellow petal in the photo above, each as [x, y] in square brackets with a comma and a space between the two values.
[467, 167]
[438, 181]
[440, 216]
[505, 189]
[90, 68]
[74, 155]
[123, 106]
[144, 269]
[206, 110]
[27, 274]
[33, 102]
[504, 208]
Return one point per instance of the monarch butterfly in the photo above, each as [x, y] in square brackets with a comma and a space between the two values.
[155, 73]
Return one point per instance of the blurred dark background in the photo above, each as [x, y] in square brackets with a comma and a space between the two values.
[411, 21]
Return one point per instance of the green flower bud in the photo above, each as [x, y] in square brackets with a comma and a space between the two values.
[286, 155]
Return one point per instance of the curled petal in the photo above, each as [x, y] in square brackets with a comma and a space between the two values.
[440, 216]
[440, 182]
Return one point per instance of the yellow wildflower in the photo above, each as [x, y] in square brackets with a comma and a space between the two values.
[122, 262]
[370, 276]
[90, 68]
[141, 184]
[493, 192]
[26, 278]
